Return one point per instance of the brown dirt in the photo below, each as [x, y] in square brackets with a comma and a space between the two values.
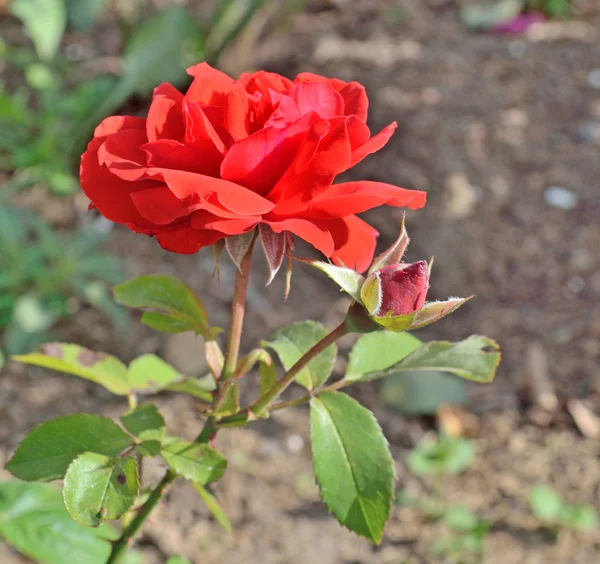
[487, 124]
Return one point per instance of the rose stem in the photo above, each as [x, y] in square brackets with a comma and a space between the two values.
[237, 317]
[289, 376]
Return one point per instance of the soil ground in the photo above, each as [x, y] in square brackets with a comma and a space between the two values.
[487, 123]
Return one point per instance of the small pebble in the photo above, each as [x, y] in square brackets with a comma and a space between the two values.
[561, 198]
[594, 78]
[517, 48]
[589, 132]
[295, 443]
[576, 284]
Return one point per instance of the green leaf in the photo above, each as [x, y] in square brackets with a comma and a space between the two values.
[84, 13]
[214, 507]
[460, 518]
[165, 323]
[377, 351]
[151, 372]
[579, 517]
[33, 520]
[169, 296]
[443, 456]
[46, 452]
[145, 422]
[489, 15]
[422, 392]
[195, 462]
[98, 367]
[98, 488]
[200, 388]
[149, 448]
[476, 359]
[546, 503]
[44, 21]
[348, 280]
[353, 465]
[290, 343]
[178, 560]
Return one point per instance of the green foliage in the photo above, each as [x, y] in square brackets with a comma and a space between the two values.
[422, 392]
[194, 461]
[213, 506]
[44, 21]
[353, 465]
[178, 560]
[145, 422]
[98, 488]
[46, 452]
[177, 304]
[100, 368]
[466, 542]
[33, 520]
[41, 271]
[476, 359]
[550, 508]
[291, 342]
[441, 457]
[147, 373]
[488, 15]
[377, 351]
[83, 14]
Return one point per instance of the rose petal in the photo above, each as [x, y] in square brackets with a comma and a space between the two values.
[121, 153]
[160, 206]
[186, 240]
[165, 119]
[317, 235]
[118, 123]
[350, 198]
[355, 242]
[260, 160]
[202, 219]
[373, 144]
[210, 86]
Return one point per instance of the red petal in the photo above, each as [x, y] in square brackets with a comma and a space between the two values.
[165, 120]
[205, 220]
[118, 123]
[172, 154]
[353, 93]
[232, 196]
[236, 113]
[110, 194]
[350, 198]
[354, 241]
[317, 235]
[185, 240]
[121, 153]
[200, 132]
[160, 206]
[301, 184]
[314, 97]
[374, 144]
[210, 86]
[260, 160]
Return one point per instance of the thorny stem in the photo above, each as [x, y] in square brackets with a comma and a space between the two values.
[207, 434]
[291, 374]
[237, 317]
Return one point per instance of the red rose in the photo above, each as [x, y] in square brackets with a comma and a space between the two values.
[400, 289]
[232, 154]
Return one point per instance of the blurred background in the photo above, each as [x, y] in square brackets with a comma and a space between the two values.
[498, 105]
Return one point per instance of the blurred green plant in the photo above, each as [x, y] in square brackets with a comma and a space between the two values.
[45, 124]
[465, 543]
[492, 14]
[555, 513]
[43, 276]
[442, 456]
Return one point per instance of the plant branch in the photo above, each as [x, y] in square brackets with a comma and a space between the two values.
[281, 384]
[237, 317]
[208, 432]
[307, 397]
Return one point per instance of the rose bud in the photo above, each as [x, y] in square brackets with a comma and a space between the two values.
[394, 293]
